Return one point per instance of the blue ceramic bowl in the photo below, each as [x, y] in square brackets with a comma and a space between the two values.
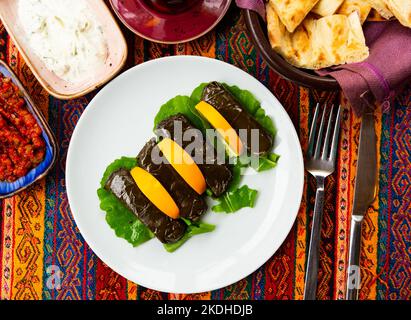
[8, 189]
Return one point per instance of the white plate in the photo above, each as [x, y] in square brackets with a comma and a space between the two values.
[119, 121]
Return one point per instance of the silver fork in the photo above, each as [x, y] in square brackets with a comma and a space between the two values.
[320, 162]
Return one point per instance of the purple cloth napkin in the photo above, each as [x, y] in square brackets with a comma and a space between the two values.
[385, 71]
[256, 5]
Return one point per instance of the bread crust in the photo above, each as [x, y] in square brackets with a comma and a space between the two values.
[327, 7]
[292, 12]
[363, 7]
[318, 43]
[401, 10]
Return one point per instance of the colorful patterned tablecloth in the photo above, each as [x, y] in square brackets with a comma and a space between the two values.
[38, 235]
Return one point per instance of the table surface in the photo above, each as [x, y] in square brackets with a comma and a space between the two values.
[38, 236]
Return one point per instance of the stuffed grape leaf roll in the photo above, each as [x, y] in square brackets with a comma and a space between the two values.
[122, 185]
[227, 105]
[192, 206]
[216, 172]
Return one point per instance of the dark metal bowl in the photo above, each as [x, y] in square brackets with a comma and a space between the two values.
[257, 29]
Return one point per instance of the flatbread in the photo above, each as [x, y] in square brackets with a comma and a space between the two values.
[292, 12]
[327, 7]
[381, 8]
[317, 44]
[401, 10]
[339, 40]
[285, 42]
[361, 6]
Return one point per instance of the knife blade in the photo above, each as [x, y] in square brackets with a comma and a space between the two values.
[364, 194]
[366, 177]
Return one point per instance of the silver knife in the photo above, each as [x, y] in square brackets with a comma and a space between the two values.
[365, 193]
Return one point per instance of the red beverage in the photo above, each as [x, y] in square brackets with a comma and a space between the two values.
[170, 6]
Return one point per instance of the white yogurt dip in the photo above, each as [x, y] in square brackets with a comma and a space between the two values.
[65, 35]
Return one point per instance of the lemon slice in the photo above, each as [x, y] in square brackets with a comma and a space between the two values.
[183, 164]
[155, 192]
[222, 126]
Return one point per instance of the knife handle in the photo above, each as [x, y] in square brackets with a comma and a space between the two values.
[354, 274]
[311, 275]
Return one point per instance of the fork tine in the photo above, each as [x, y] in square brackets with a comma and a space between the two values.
[336, 136]
[320, 134]
[311, 140]
[327, 140]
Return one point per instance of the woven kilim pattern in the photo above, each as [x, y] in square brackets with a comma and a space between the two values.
[37, 230]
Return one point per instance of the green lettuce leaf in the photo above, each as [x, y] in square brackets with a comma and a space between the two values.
[234, 200]
[236, 197]
[267, 163]
[253, 107]
[124, 162]
[261, 164]
[192, 230]
[124, 223]
[183, 105]
[197, 94]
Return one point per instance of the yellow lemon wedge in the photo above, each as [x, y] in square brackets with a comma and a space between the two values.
[222, 126]
[155, 192]
[183, 164]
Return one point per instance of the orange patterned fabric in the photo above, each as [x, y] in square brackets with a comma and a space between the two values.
[43, 256]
